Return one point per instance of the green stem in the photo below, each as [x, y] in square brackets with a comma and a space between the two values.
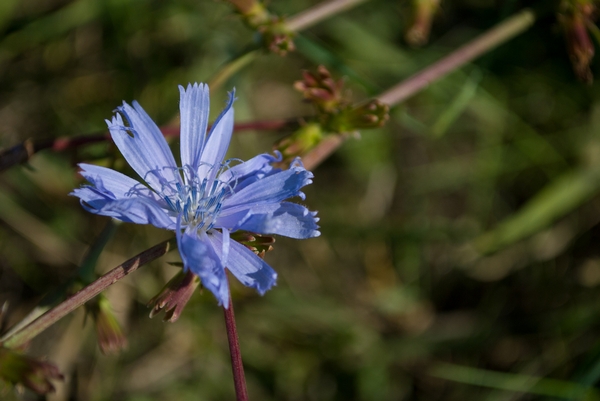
[76, 300]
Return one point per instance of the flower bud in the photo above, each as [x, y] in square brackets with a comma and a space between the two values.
[300, 142]
[371, 114]
[110, 336]
[336, 113]
[174, 296]
[576, 16]
[418, 33]
[276, 36]
[16, 368]
[322, 90]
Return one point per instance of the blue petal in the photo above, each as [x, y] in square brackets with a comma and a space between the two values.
[251, 270]
[194, 105]
[111, 182]
[271, 189]
[143, 146]
[137, 210]
[245, 173]
[200, 256]
[288, 219]
[225, 248]
[217, 142]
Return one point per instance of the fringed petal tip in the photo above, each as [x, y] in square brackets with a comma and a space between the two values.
[122, 108]
[262, 286]
[314, 216]
[297, 163]
[307, 175]
[232, 97]
[201, 86]
[246, 266]
[116, 122]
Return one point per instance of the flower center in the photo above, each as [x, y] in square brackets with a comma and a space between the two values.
[199, 201]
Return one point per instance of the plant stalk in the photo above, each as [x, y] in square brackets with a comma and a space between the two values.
[491, 39]
[237, 367]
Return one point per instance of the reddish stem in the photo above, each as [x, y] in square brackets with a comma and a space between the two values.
[239, 379]
[22, 152]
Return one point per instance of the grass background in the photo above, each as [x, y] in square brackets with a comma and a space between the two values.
[459, 255]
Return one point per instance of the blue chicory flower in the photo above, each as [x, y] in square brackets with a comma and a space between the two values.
[206, 198]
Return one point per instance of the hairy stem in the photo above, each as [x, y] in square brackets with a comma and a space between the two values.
[79, 298]
[237, 367]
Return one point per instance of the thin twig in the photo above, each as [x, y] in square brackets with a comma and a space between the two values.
[237, 367]
[79, 298]
[496, 36]
[319, 13]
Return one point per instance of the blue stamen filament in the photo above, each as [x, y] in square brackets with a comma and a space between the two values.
[198, 203]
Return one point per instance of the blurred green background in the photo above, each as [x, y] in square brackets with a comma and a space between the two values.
[459, 256]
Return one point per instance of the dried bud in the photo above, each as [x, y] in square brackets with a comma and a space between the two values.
[16, 368]
[322, 90]
[575, 18]
[174, 296]
[371, 114]
[418, 33]
[276, 36]
[280, 43]
[110, 336]
[336, 113]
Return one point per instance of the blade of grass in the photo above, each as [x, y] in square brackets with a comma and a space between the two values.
[514, 382]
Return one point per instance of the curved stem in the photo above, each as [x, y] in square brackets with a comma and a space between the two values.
[237, 367]
[79, 298]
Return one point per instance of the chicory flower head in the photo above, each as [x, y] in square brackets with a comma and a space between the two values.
[206, 198]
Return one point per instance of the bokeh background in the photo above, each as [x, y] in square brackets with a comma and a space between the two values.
[459, 256]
